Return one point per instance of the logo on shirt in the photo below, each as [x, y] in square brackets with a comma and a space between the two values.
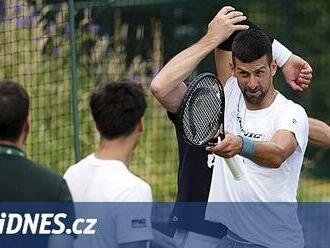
[252, 135]
[294, 121]
[139, 223]
[245, 133]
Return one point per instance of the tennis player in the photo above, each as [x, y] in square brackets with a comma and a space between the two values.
[269, 134]
[297, 73]
[104, 176]
[194, 177]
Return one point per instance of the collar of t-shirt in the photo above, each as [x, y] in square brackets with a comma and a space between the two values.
[262, 112]
[11, 150]
[94, 161]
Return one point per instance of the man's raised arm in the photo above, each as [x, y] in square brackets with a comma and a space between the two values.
[168, 86]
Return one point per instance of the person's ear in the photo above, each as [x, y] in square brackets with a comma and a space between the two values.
[232, 67]
[141, 125]
[231, 64]
[26, 125]
[25, 130]
[273, 68]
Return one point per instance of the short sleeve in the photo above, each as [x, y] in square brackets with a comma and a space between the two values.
[133, 220]
[294, 119]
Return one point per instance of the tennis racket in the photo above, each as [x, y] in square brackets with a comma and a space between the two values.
[201, 116]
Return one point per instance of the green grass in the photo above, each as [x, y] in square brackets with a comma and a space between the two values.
[314, 190]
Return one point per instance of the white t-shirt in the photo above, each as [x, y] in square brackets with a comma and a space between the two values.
[271, 225]
[104, 181]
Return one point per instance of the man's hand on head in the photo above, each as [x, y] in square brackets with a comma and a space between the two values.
[297, 73]
[225, 23]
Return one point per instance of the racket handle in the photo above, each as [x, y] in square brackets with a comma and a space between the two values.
[235, 168]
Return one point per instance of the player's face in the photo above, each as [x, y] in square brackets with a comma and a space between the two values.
[255, 79]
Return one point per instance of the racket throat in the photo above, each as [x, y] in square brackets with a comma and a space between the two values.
[222, 131]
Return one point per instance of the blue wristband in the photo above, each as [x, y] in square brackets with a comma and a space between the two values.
[248, 147]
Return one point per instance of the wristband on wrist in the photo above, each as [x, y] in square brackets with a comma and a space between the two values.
[248, 147]
[281, 54]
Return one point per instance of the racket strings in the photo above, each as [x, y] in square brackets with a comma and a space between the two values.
[197, 118]
[203, 111]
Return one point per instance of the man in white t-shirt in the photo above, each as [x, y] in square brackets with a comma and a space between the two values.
[267, 135]
[104, 176]
[168, 87]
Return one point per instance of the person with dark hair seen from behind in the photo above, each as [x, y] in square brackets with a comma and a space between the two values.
[22, 180]
[104, 176]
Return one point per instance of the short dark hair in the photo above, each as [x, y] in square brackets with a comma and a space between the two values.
[14, 109]
[117, 108]
[250, 45]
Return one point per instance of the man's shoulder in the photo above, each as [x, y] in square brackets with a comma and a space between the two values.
[77, 167]
[139, 190]
[28, 167]
[43, 172]
[138, 183]
[231, 88]
[288, 106]
[50, 185]
[231, 82]
[126, 187]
